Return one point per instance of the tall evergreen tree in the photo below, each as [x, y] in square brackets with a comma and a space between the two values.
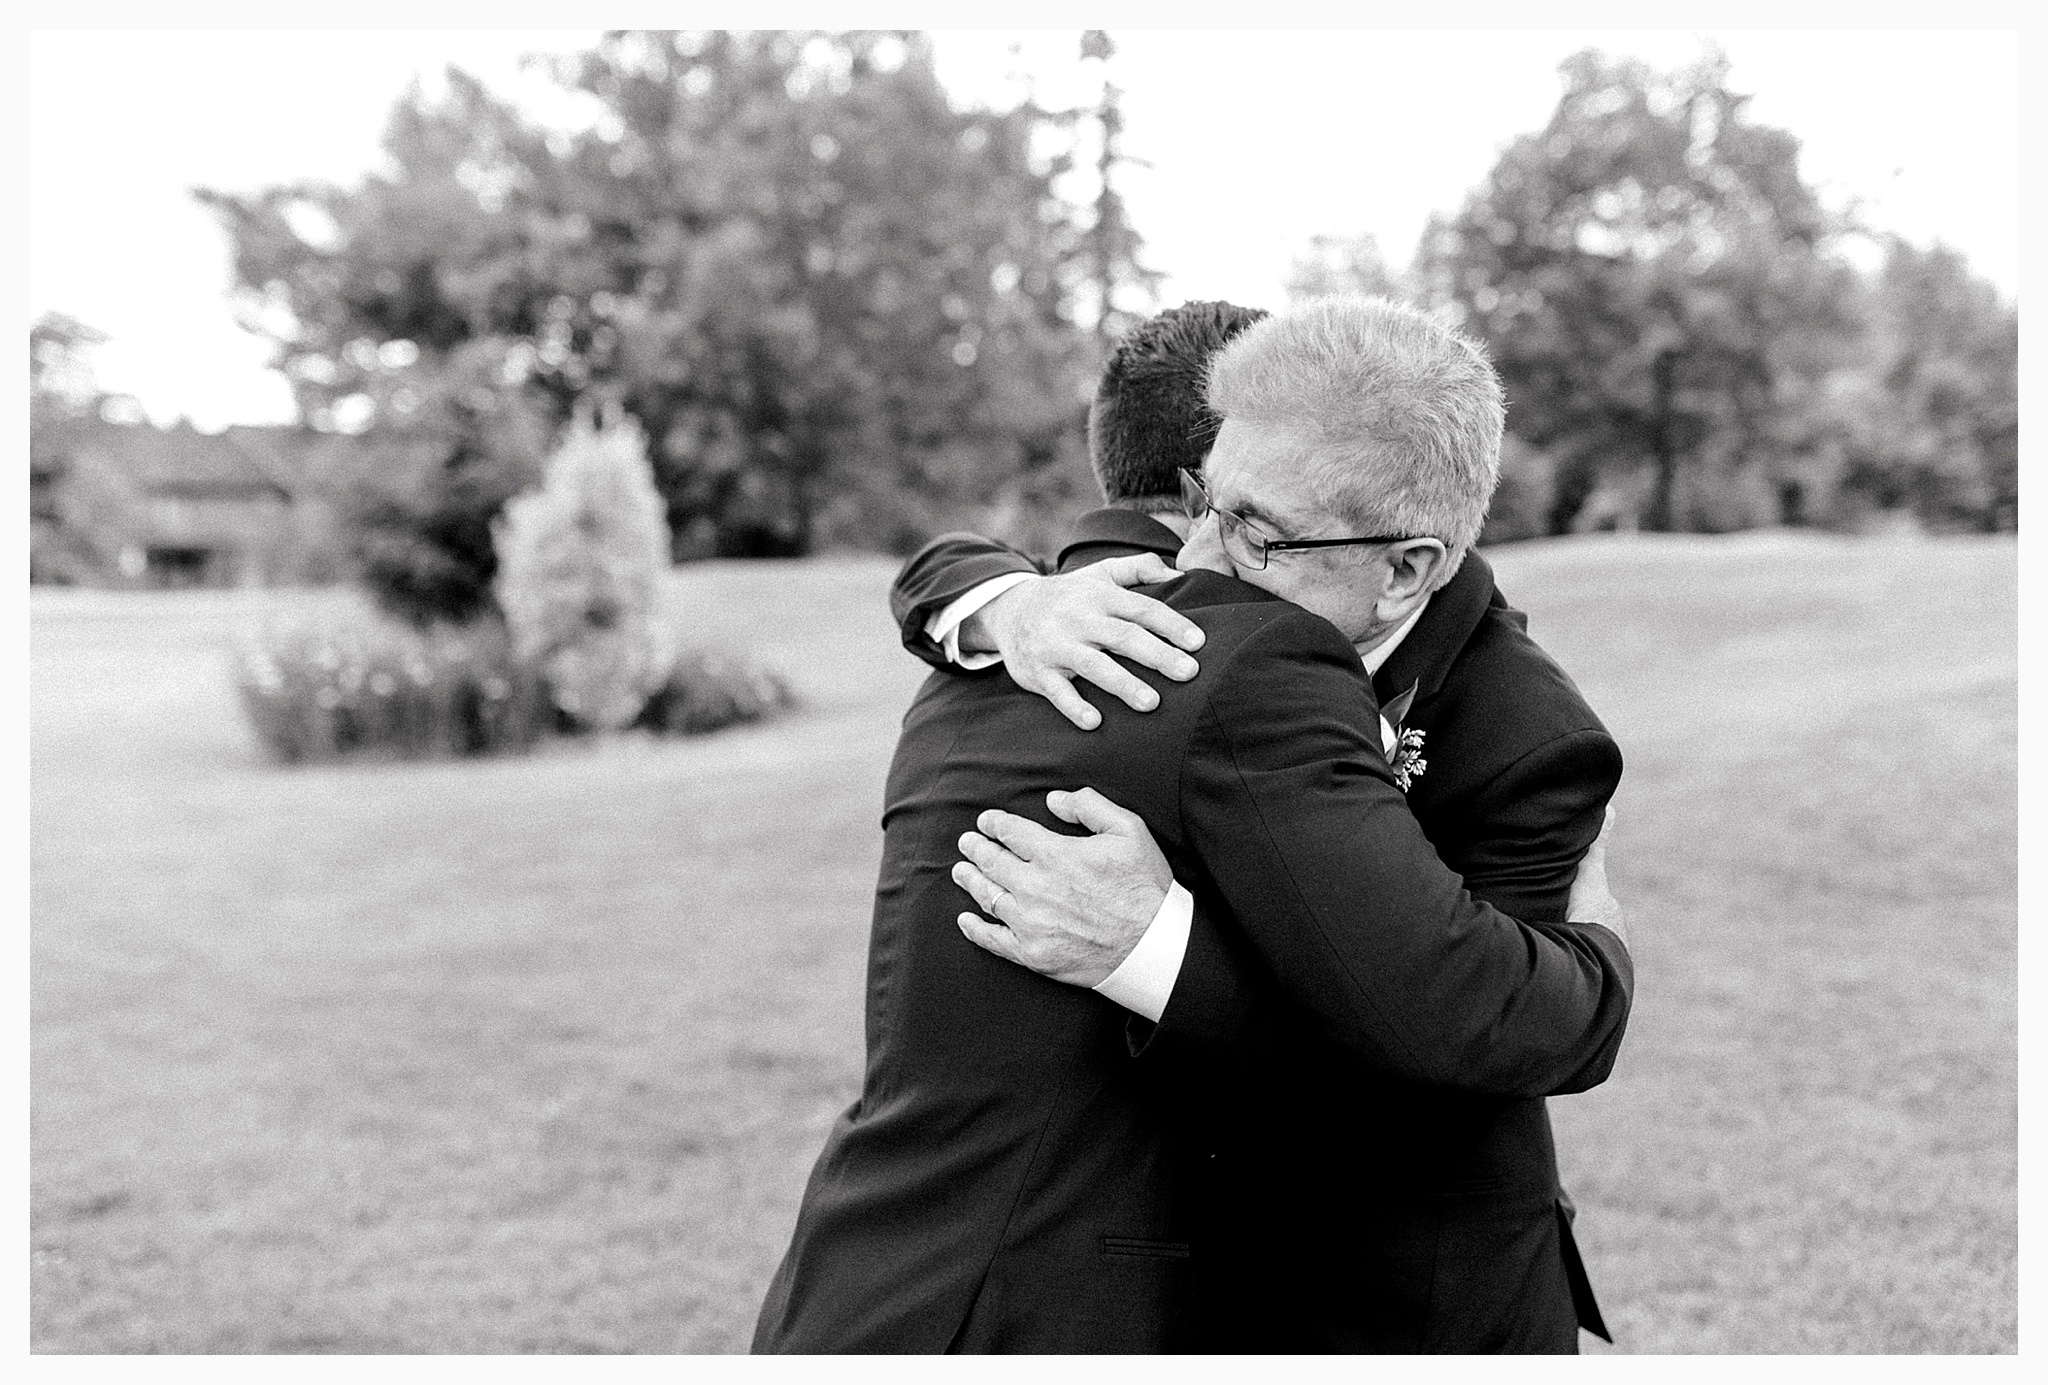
[1113, 243]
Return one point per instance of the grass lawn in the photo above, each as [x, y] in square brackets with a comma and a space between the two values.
[534, 1054]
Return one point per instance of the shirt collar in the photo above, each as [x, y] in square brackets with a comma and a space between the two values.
[1377, 656]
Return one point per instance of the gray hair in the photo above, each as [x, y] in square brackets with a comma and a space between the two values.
[1403, 415]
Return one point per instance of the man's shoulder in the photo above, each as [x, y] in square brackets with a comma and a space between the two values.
[1504, 696]
[1503, 661]
[1267, 665]
[1235, 614]
[1211, 596]
[1260, 651]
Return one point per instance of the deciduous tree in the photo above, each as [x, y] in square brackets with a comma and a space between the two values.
[1930, 419]
[840, 306]
[1654, 279]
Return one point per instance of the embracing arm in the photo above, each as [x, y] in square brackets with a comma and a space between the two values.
[1347, 910]
[939, 574]
[1535, 823]
[965, 602]
[1528, 827]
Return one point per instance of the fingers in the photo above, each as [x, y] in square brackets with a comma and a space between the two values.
[990, 859]
[1141, 646]
[990, 937]
[1114, 679]
[1159, 618]
[1068, 627]
[1138, 570]
[1596, 854]
[1021, 835]
[988, 896]
[1054, 688]
[984, 891]
[1089, 809]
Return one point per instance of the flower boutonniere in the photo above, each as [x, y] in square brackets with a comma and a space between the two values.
[1402, 744]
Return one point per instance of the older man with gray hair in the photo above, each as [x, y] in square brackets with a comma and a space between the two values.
[1352, 1208]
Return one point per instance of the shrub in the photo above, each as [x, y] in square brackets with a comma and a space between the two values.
[375, 688]
[580, 563]
[706, 689]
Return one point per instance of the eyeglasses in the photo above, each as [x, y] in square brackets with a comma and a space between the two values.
[1244, 541]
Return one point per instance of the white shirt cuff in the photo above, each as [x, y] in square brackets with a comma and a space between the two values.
[1143, 983]
[944, 628]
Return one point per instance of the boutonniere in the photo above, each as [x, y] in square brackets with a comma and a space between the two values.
[1402, 745]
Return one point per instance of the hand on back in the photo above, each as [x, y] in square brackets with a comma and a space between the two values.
[1055, 629]
[1071, 908]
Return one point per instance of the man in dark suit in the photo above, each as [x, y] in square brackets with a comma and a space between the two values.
[1512, 789]
[1010, 1179]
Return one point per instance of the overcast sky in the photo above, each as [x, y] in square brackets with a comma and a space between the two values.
[1257, 142]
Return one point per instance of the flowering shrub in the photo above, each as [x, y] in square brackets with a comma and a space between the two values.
[379, 688]
[372, 688]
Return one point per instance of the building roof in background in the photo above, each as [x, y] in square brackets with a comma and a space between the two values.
[180, 460]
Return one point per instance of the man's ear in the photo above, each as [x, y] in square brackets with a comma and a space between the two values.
[1416, 569]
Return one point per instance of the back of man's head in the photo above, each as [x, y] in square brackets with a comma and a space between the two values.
[1150, 417]
[1402, 416]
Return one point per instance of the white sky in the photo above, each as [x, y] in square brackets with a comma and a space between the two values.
[1257, 142]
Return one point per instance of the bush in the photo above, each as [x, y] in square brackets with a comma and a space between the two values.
[378, 689]
[580, 564]
[705, 690]
[373, 688]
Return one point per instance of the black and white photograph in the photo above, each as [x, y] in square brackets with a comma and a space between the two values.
[1099, 691]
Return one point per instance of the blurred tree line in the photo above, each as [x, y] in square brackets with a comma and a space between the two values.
[61, 394]
[1686, 343]
[844, 311]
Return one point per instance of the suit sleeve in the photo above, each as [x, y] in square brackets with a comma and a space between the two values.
[1536, 820]
[939, 574]
[1346, 910]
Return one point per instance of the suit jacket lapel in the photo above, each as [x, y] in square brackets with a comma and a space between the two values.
[1425, 657]
[1103, 534]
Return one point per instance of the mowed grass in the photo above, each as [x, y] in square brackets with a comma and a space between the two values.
[534, 1054]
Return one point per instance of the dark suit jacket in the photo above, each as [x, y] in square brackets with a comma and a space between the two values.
[1009, 1179]
[1457, 1237]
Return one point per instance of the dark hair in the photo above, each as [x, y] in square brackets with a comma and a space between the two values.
[1150, 417]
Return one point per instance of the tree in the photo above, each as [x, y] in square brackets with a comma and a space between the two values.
[840, 308]
[417, 493]
[1341, 264]
[60, 374]
[1930, 422]
[1113, 243]
[580, 563]
[1655, 283]
[63, 398]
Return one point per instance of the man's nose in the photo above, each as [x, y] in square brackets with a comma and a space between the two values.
[1204, 548]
